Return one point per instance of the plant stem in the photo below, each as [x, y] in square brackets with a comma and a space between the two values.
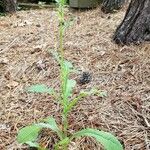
[62, 70]
[65, 123]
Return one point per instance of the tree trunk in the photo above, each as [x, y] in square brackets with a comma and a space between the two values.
[9, 6]
[109, 6]
[135, 27]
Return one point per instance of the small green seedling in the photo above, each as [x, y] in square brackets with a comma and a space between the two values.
[29, 134]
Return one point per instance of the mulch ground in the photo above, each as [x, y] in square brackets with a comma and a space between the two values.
[26, 39]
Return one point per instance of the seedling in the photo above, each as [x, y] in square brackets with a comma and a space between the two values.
[29, 134]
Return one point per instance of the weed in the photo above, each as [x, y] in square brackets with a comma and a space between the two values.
[29, 134]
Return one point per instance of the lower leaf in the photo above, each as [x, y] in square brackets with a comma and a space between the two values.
[28, 133]
[109, 141]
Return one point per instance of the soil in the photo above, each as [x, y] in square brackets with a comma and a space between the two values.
[26, 39]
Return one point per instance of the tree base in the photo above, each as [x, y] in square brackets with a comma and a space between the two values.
[9, 6]
[109, 6]
[135, 27]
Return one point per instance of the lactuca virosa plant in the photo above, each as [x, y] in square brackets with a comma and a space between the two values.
[29, 134]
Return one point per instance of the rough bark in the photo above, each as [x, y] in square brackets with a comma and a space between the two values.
[135, 28]
[9, 6]
[109, 6]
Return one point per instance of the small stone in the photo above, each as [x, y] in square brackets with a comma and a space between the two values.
[38, 25]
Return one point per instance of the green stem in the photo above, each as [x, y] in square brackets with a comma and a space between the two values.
[65, 123]
[62, 70]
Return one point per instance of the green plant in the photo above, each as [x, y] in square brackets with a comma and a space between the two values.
[29, 134]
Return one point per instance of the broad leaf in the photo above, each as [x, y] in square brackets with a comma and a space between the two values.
[28, 133]
[51, 124]
[40, 88]
[51, 121]
[109, 141]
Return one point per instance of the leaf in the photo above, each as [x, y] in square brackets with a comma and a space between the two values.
[33, 144]
[51, 121]
[103, 94]
[61, 2]
[28, 133]
[51, 124]
[75, 100]
[95, 91]
[65, 141]
[41, 3]
[68, 65]
[57, 1]
[56, 55]
[70, 85]
[109, 141]
[68, 23]
[40, 88]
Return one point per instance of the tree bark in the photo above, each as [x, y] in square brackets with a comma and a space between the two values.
[135, 28]
[9, 6]
[109, 6]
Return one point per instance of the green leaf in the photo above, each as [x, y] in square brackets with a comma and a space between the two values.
[68, 23]
[57, 1]
[75, 100]
[65, 141]
[61, 2]
[109, 141]
[33, 144]
[68, 65]
[46, 125]
[55, 55]
[51, 121]
[28, 133]
[51, 124]
[70, 85]
[61, 143]
[52, 127]
[103, 94]
[41, 3]
[95, 91]
[40, 88]
[67, 68]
